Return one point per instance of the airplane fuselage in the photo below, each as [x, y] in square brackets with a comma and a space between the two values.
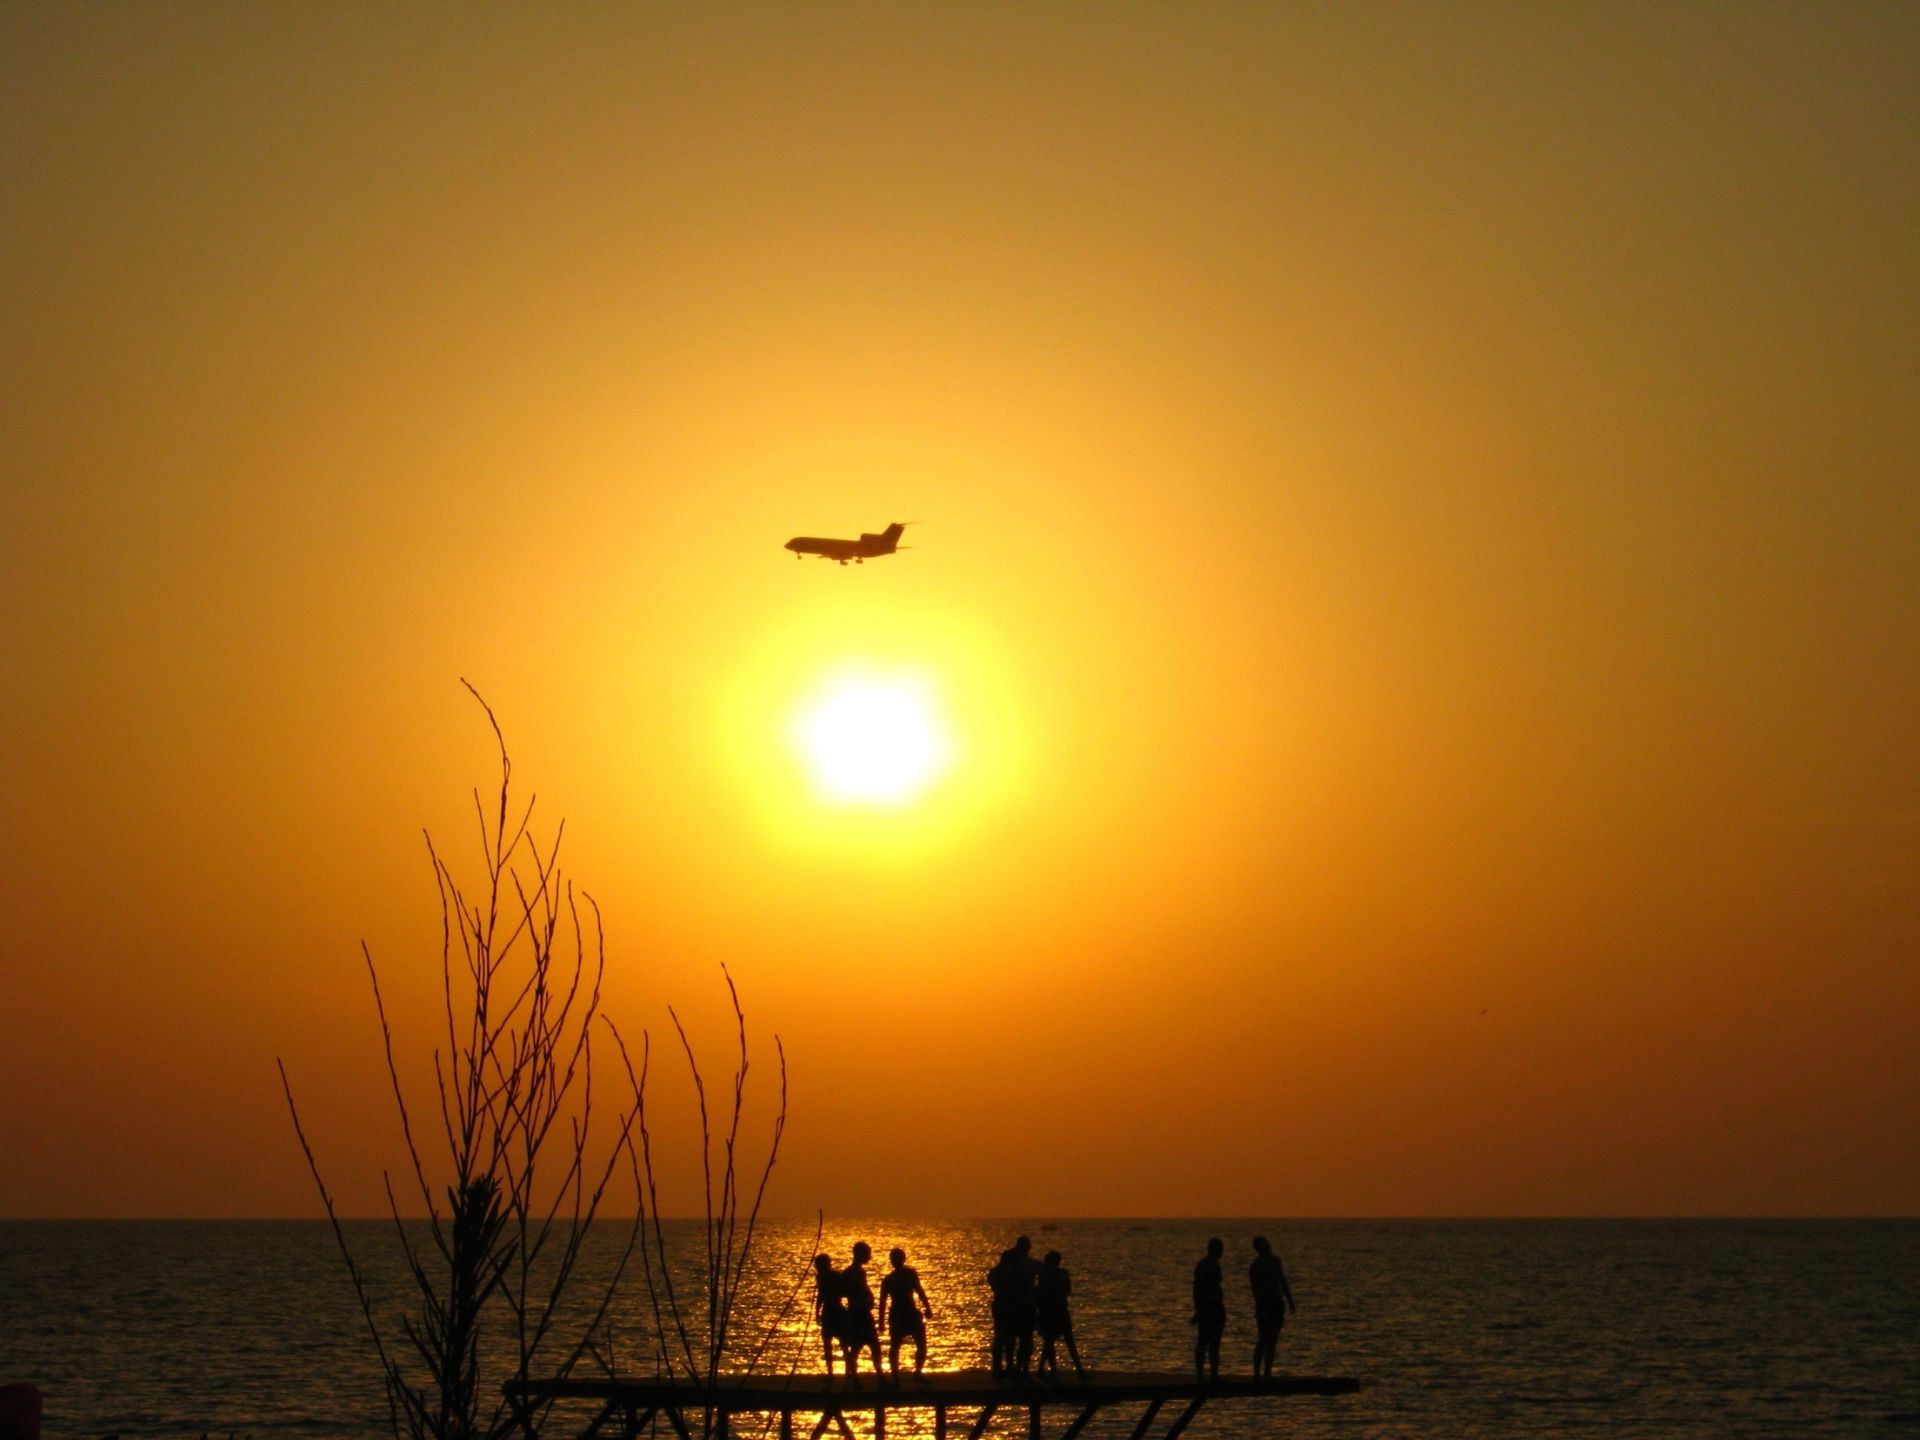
[868, 546]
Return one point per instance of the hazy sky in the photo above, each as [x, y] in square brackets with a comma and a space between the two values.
[1419, 573]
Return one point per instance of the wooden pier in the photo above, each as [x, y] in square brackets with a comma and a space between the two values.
[627, 1407]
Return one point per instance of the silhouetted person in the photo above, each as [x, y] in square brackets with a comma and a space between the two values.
[829, 1306]
[1027, 1315]
[1209, 1312]
[1000, 1286]
[899, 1311]
[1011, 1280]
[1272, 1299]
[1051, 1292]
[859, 1333]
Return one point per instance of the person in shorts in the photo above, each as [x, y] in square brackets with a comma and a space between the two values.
[904, 1310]
[829, 1306]
[859, 1333]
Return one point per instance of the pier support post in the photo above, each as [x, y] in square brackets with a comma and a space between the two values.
[1140, 1430]
[1193, 1409]
[1080, 1421]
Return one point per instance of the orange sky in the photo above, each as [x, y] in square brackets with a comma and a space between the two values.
[1421, 558]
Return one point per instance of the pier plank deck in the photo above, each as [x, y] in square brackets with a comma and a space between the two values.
[626, 1407]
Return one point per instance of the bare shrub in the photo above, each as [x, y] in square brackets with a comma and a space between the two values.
[499, 1322]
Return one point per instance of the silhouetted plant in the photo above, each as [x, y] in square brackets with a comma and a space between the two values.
[506, 1229]
[522, 1192]
[698, 1351]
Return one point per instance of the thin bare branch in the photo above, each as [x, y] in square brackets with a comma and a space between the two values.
[346, 1252]
[527, 1165]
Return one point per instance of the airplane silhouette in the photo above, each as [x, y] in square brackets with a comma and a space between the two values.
[869, 544]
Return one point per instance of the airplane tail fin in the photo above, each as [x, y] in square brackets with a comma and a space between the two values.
[886, 541]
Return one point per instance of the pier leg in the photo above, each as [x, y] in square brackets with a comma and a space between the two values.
[786, 1425]
[879, 1420]
[1033, 1422]
[677, 1420]
[630, 1422]
[986, 1418]
[1080, 1422]
[1140, 1430]
[939, 1422]
[1193, 1409]
[826, 1419]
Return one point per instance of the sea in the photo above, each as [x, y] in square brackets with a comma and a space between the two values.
[1663, 1329]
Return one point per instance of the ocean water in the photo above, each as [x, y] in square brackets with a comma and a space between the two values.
[1658, 1329]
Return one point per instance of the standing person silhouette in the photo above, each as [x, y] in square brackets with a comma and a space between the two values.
[1052, 1290]
[829, 1306]
[1018, 1272]
[900, 1313]
[1027, 1311]
[859, 1333]
[1209, 1312]
[1000, 1287]
[1272, 1299]
[1011, 1280]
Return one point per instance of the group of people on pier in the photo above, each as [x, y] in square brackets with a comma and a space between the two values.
[1029, 1297]
[1272, 1299]
[843, 1304]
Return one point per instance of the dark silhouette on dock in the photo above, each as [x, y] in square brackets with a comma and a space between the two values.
[1026, 1293]
[1272, 1299]
[1209, 1312]
[1015, 1310]
[902, 1298]
[829, 1306]
[859, 1333]
[1053, 1289]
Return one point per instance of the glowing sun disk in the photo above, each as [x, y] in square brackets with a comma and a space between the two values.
[874, 741]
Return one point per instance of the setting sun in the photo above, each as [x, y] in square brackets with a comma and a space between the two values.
[872, 739]
[851, 733]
